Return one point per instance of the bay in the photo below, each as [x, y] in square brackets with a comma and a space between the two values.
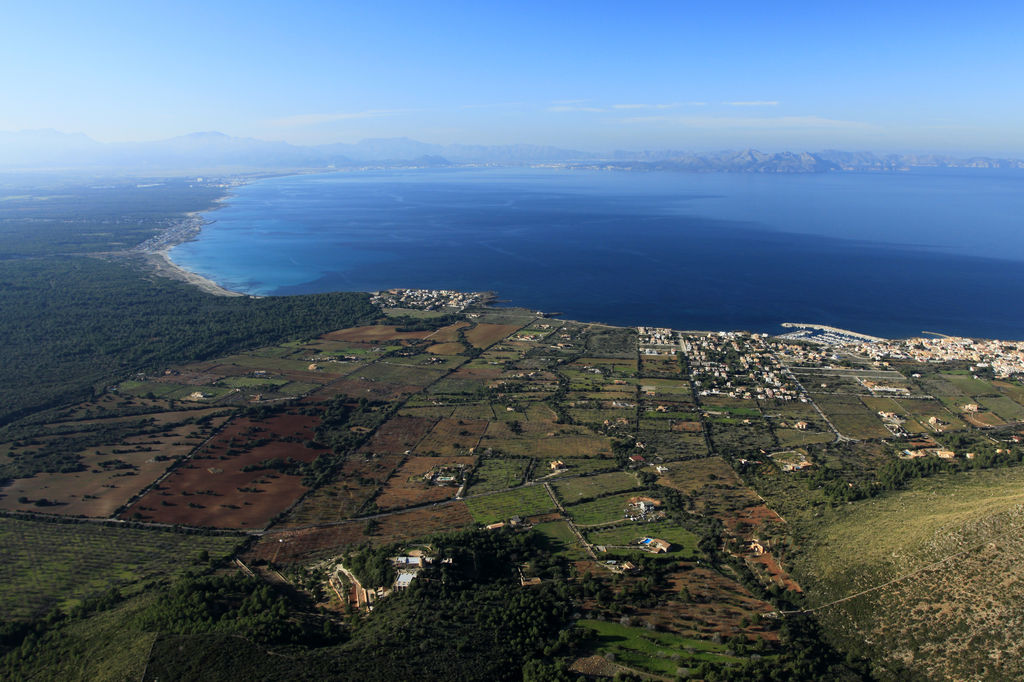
[890, 254]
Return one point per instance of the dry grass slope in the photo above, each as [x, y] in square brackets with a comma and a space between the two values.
[947, 555]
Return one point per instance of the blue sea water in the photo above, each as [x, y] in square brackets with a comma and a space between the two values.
[889, 254]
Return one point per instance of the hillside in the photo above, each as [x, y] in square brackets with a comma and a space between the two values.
[938, 570]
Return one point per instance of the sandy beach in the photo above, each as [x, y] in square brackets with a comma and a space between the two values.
[156, 254]
[160, 262]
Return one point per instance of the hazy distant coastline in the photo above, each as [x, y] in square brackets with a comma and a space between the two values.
[209, 152]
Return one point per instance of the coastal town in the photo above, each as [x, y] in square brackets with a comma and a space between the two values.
[1002, 359]
[429, 299]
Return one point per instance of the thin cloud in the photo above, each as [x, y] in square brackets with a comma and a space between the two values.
[495, 105]
[673, 105]
[753, 103]
[300, 120]
[750, 122]
[584, 105]
[565, 107]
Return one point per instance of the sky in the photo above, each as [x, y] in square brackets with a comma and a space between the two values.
[896, 76]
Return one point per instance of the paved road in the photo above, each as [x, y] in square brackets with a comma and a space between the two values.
[840, 438]
[572, 526]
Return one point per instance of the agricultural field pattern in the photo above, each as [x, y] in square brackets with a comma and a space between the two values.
[704, 486]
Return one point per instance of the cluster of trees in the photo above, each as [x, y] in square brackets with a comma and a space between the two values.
[227, 612]
[468, 619]
[896, 474]
[408, 323]
[373, 565]
[28, 646]
[341, 415]
[232, 604]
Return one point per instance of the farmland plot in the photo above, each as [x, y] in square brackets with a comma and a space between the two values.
[59, 564]
[228, 483]
[408, 486]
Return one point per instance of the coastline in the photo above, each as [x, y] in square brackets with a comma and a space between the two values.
[189, 227]
[156, 251]
[161, 264]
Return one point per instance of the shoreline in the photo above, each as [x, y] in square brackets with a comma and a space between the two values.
[155, 254]
[156, 251]
[161, 264]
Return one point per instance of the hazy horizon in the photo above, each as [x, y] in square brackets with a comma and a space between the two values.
[695, 149]
[767, 148]
[595, 77]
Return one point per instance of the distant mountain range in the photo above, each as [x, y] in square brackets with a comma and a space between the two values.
[216, 152]
[830, 160]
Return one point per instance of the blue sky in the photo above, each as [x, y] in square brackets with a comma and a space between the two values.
[900, 76]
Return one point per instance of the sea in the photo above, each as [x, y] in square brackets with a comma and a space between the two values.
[890, 254]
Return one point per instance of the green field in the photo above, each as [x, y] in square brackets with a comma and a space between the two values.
[265, 383]
[154, 388]
[603, 510]
[921, 410]
[458, 386]
[525, 501]
[968, 385]
[794, 437]
[1011, 389]
[741, 411]
[58, 564]
[816, 381]
[473, 411]
[654, 415]
[561, 539]
[297, 388]
[497, 474]
[732, 435]
[414, 312]
[684, 543]
[269, 364]
[212, 393]
[1003, 407]
[597, 416]
[656, 652]
[851, 416]
[432, 361]
[550, 447]
[397, 373]
[573, 490]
